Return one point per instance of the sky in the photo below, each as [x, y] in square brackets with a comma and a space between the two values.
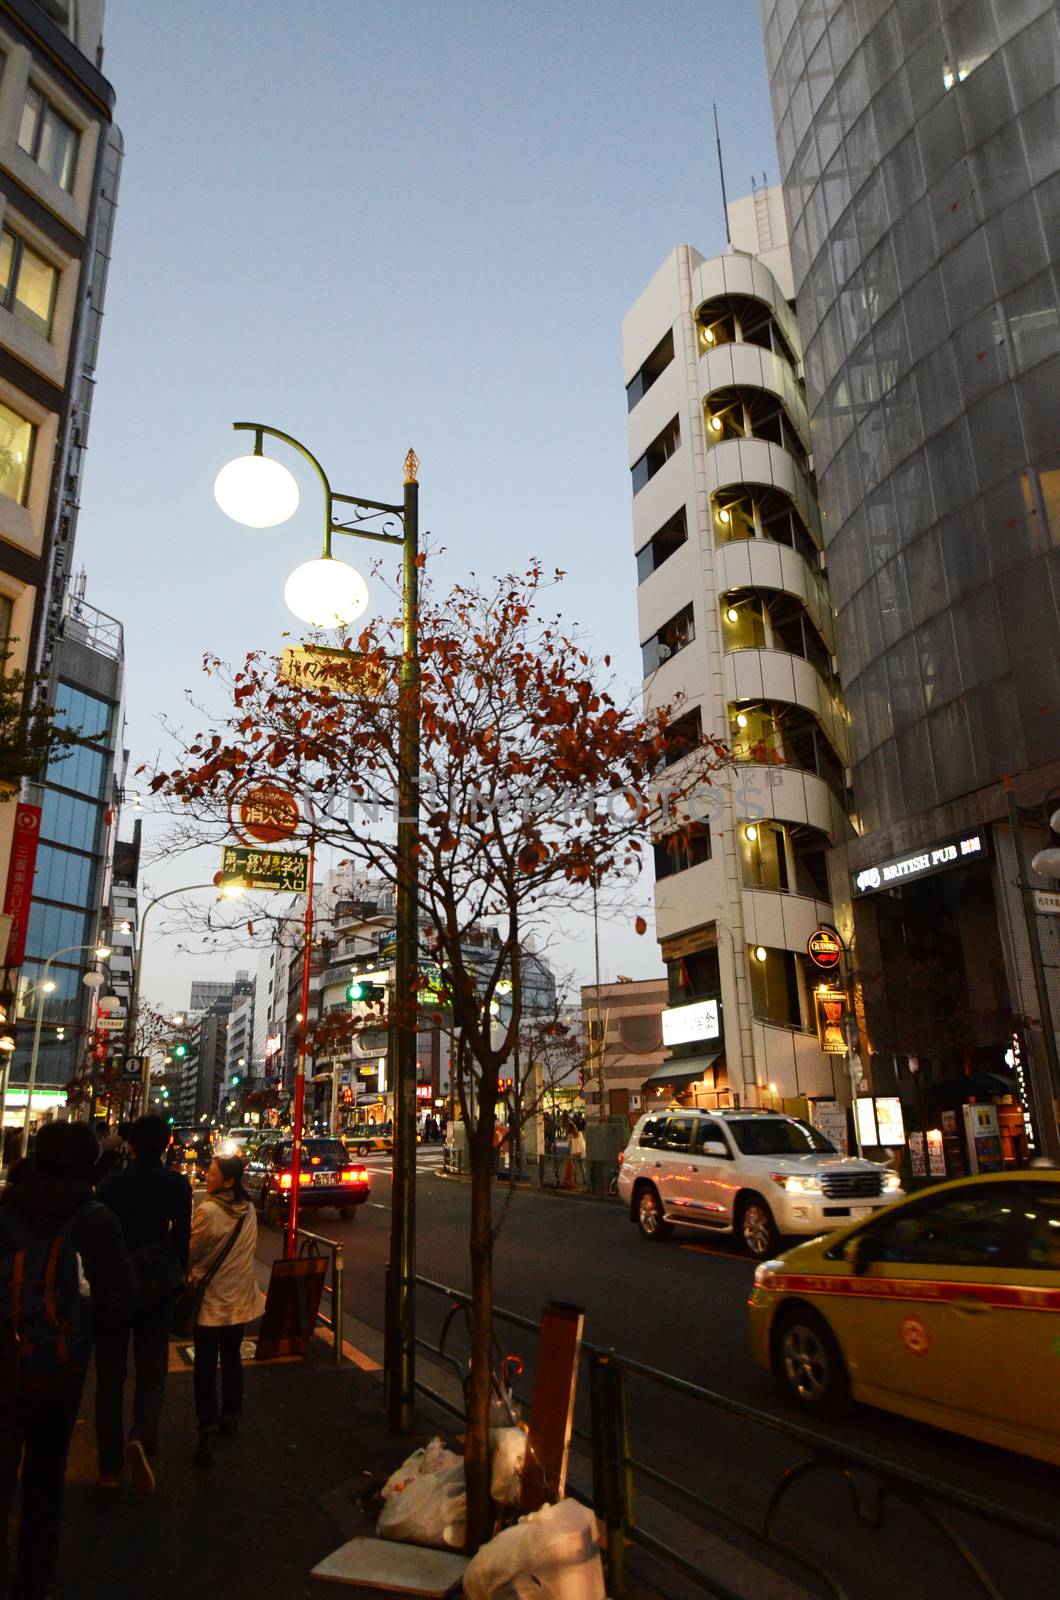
[376, 226]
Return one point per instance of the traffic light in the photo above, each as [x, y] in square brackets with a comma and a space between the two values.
[236, 1080]
[180, 1051]
[364, 993]
[165, 1094]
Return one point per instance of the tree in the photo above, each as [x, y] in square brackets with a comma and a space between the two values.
[535, 782]
[29, 733]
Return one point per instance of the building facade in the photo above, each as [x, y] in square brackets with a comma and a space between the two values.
[736, 631]
[624, 1054]
[919, 161]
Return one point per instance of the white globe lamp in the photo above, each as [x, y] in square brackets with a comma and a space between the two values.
[256, 491]
[326, 593]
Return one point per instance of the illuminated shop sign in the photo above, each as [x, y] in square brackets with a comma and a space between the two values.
[685, 1024]
[919, 863]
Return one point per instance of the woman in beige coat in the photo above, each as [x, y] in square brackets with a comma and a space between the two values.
[224, 1221]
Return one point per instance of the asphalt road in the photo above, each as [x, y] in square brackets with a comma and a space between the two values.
[680, 1306]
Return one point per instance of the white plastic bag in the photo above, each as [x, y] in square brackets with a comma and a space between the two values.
[508, 1458]
[433, 1457]
[549, 1555]
[430, 1509]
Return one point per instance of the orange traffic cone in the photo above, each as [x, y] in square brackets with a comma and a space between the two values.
[568, 1174]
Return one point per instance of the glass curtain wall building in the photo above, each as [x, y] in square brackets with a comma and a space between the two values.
[919, 156]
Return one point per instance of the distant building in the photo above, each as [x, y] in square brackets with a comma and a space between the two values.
[624, 1051]
[205, 992]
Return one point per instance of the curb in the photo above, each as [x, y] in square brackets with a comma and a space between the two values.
[536, 1188]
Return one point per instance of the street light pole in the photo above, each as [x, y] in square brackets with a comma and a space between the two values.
[102, 952]
[259, 492]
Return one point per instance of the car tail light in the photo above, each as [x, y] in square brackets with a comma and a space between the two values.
[621, 1157]
[284, 1180]
[354, 1175]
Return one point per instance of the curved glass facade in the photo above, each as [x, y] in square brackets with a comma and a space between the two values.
[919, 158]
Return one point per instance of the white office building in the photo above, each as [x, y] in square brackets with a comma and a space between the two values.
[736, 622]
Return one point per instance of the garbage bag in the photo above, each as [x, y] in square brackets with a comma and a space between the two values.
[431, 1509]
[432, 1457]
[508, 1457]
[549, 1555]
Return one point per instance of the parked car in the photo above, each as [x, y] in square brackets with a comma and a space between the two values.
[945, 1307]
[190, 1151]
[367, 1137]
[758, 1174]
[327, 1178]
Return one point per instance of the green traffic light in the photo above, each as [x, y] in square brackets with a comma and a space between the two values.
[358, 991]
[180, 1051]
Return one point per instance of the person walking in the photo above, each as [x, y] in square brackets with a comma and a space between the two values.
[64, 1277]
[576, 1151]
[224, 1236]
[153, 1206]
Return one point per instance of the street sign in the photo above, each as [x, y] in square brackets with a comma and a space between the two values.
[344, 672]
[107, 1022]
[130, 1068]
[264, 813]
[1047, 902]
[283, 870]
[825, 948]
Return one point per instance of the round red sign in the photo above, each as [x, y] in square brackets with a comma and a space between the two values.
[825, 948]
[265, 814]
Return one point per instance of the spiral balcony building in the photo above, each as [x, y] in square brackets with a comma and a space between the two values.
[736, 624]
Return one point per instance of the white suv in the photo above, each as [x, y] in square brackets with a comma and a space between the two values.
[756, 1173]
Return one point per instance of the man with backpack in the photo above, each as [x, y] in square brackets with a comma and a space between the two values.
[153, 1206]
[64, 1278]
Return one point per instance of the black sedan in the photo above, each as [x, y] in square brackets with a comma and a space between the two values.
[327, 1178]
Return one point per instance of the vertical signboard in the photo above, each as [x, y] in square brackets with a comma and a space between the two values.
[20, 880]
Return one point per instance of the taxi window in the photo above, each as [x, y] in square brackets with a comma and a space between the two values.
[678, 1134]
[969, 1228]
[1038, 1228]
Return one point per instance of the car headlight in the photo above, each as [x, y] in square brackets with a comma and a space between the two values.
[797, 1183]
[768, 1274]
[891, 1181]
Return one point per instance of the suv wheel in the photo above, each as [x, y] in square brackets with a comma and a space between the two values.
[808, 1361]
[650, 1220]
[756, 1228]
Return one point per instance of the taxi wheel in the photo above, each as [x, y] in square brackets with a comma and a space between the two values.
[756, 1229]
[364, 1149]
[809, 1362]
[650, 1219]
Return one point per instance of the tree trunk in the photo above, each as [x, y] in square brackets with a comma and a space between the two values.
[476, 1444]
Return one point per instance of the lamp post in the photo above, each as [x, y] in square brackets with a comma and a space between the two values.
[44, 986]
[134, 997]
[328, 593]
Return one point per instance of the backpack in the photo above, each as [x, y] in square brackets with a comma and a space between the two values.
[45, 1306]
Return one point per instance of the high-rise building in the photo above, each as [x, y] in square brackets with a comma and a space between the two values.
[205, 992]
[919, 162]
[736, 625]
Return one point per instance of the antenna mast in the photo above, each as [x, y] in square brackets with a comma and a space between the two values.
[721, 174]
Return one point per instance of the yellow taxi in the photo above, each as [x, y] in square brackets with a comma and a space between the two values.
[944, 1307]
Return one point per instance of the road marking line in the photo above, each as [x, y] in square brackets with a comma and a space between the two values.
[706, 1250]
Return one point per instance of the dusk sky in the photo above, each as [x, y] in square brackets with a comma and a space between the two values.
[377, 226]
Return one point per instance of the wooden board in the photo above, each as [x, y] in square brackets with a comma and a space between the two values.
[291, 1307]
[397, 1568]
[552, 1405]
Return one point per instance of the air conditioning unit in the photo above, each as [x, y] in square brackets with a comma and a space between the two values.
[665, 651]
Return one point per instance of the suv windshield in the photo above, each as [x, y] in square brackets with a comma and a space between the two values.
[777, 1137]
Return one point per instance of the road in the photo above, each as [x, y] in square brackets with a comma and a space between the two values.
[680, 1306]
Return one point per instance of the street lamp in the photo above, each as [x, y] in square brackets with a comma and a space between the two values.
[46, 986]
[227, 892]
[328, 593]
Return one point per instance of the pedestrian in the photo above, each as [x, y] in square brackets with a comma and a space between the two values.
[576, 1151]
[224, 1235]
[112, 1152]
[64, 1277]
[153, 1206]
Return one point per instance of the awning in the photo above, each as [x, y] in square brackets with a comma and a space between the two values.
[686, 1070]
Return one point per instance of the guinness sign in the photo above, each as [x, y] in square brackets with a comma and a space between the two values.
[825, 948]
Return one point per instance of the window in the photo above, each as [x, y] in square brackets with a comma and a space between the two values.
[670, 537]
[775, 987]
[656, 455]
[671, 637]
[87, 715]
[967, 1229]
[61, 875]
[1038, 1228]
[657, 363]
[6, 612]
[78, 767]
[69, 821]
[684, 735]
[49, 139]
[16, 452]
[651, 1134]
[777, 1136]
[678, 1134]
[688, 847]
[27, 283]
[693, 976]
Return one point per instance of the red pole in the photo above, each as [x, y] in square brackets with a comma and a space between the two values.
[291, 1247]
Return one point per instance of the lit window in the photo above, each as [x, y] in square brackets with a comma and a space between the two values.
[49, 139]
[16, 448]
[27, 283]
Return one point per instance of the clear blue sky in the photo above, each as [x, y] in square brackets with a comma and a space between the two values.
[377, 225]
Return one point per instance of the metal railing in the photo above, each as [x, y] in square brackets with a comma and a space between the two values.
[874, 1486]
[335, 1288]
